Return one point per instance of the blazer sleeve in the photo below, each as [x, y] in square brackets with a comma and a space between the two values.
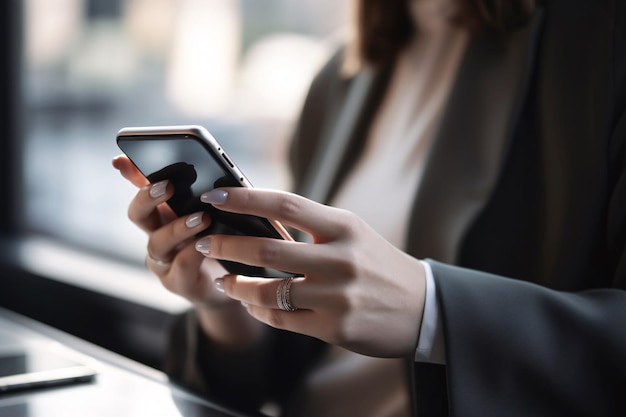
[518, 349]
[515, 348]
[243, 380]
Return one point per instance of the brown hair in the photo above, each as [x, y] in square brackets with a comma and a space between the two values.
[383, 27]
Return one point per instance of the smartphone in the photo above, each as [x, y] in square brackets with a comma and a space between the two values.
[24, 368]
[194, 162]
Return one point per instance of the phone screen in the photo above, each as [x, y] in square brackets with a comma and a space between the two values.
[193, 167]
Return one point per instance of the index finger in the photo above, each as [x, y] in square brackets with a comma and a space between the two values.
[323, 222]
[129, 171]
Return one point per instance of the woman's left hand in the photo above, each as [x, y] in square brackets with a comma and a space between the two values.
[357, 291]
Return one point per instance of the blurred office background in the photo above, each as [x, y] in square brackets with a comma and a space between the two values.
[91, 67]
[86, 68]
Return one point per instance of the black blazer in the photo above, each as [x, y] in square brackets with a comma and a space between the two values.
[521, 214]
[527, 181]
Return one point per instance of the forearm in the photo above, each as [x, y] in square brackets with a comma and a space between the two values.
[514, 334]
[233, 376]
[271, 368]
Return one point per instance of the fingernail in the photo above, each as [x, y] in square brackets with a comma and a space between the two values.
[204, 246]
[194, 220]
[214, 196]
[219, 284]
[158, 189]
[243, 303]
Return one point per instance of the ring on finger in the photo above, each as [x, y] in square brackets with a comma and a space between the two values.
[158, 261]
[283, 295]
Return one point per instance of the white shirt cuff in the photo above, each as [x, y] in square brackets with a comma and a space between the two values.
[430, 346]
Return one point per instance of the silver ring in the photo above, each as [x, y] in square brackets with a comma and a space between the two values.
[159, 262]
[283, 293]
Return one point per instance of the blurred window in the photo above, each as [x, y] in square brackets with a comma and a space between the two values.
[238, 67]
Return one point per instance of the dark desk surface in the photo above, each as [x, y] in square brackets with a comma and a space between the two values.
[122, 388]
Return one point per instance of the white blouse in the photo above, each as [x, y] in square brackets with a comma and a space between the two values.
[383, 184]
[381, 189]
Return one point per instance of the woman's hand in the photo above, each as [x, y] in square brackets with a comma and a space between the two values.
[170, 253]
[357, 291]
[182, 270]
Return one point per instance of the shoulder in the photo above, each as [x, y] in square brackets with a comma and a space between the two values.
[325, 91]
[587, 38]
[330, 76]
[601, 16]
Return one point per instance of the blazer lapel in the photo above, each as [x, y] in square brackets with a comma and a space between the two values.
[344, 134]
[470, 147]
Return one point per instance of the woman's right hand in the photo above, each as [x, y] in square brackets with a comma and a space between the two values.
[172, 257]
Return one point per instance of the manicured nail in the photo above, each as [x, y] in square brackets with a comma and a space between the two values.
[214, 197]
[158, 189]
[194, 220]
[204, 246]
[219, 284]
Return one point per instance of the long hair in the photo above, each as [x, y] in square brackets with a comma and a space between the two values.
[384, 27]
